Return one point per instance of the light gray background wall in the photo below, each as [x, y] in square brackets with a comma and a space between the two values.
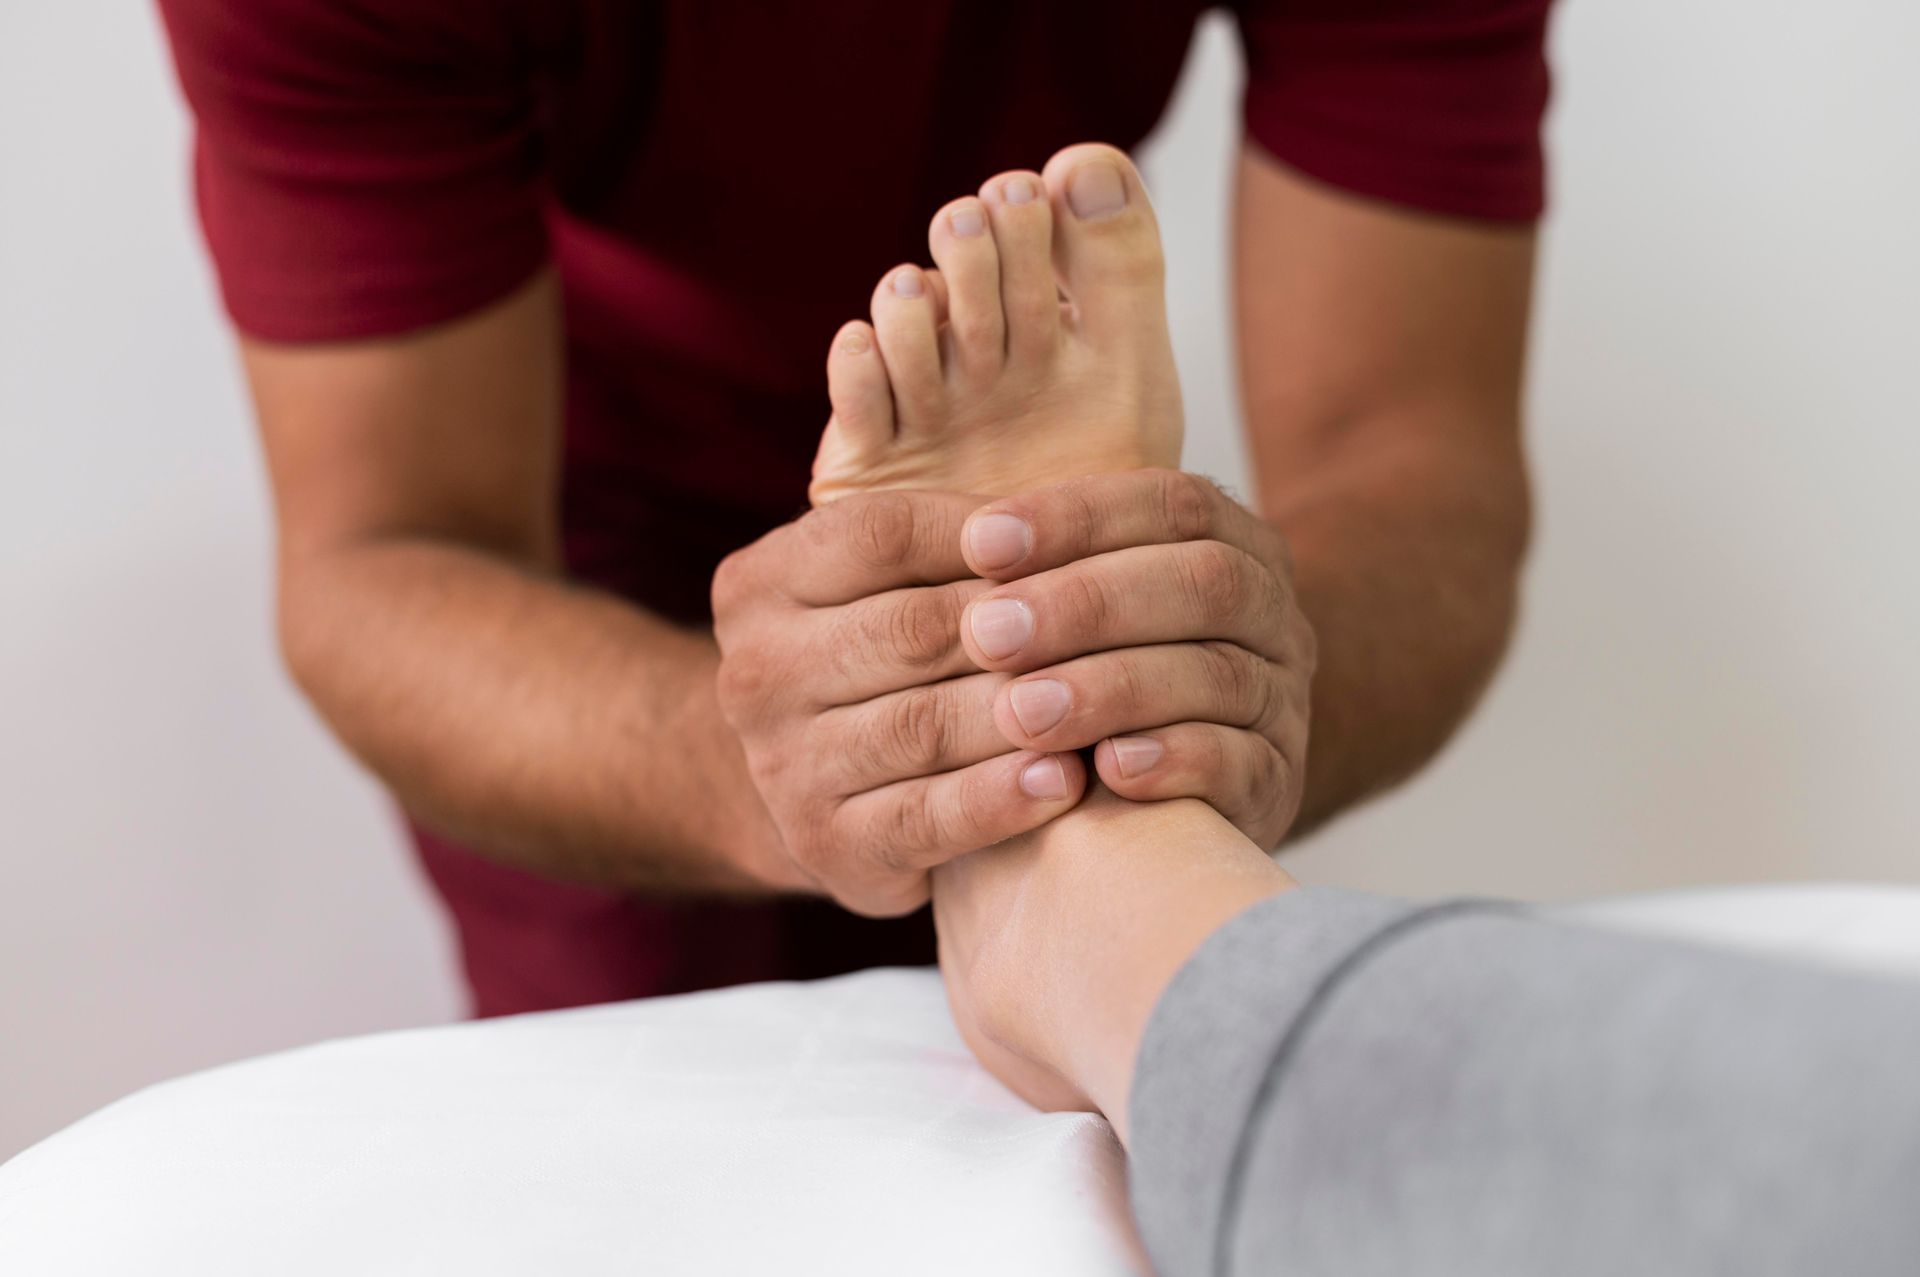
[1715, 679]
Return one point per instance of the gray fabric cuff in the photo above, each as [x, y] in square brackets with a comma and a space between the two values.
[1209, 1050]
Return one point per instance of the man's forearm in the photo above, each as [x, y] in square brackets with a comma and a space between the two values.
[547, 724]
[1407, 563]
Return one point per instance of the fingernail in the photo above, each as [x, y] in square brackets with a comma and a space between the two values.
[1044, 778]
[1135, 755]
[1096, 189]
[998, 540]
[1040, 704]
[1018, 190]
[1001, 627]
[906, 282]
[966, 221]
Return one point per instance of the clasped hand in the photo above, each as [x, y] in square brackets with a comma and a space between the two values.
[911, 674]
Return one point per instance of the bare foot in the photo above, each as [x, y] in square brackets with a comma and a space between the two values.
[979, 377]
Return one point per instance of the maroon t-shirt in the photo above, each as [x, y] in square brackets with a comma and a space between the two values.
[718, 185]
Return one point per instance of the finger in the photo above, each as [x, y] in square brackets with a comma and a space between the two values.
[917, 731]
[867, 648]
[916, 824]
[856, 546]
[1082, 702]
[1130, 598]
[1035, 531]
[1238, 773]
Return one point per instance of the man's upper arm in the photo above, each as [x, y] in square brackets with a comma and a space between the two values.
[1384, 249]
[1366, 330]
[368, 182]
[450, 433]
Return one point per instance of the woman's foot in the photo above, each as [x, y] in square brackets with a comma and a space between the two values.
[979, 378]
[1037, 352]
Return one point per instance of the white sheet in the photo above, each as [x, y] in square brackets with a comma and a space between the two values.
[838, 1126]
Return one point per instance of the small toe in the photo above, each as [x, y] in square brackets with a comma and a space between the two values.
[906, 322]
[962, 243]
[861, 426]
[857, 386]
[1022, 220]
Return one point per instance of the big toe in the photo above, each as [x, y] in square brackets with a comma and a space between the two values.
[1106, 242]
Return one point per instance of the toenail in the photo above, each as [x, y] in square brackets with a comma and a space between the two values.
[966, 221]
[1040, 704]
[906, 283]
[1001, 627]
[998, 541]
[1044, 778]
[1096, 189]
[1136, 754]
[855, 342]
[1018, 190]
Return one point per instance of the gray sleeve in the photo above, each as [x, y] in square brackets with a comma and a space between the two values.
[1345, 1084]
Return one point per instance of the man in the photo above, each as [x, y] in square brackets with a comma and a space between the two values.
[531, 298]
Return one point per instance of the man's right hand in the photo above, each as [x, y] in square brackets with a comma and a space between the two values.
[867, 729]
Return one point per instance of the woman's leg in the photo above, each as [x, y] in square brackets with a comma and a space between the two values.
[1316, 1081]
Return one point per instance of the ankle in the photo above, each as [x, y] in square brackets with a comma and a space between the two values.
[1078, 926]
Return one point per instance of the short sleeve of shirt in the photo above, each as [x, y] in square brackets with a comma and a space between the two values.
[363, 167]
[1435, 104]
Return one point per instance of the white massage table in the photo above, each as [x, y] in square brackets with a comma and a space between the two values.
[838, 1126]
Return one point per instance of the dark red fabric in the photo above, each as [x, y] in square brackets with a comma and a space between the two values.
[718, 184]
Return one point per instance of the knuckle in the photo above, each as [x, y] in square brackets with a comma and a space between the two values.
[908, 824]
[1089, 602]
[1216, 581]
[1130, 689]
[912, 731]
[1189, 504]
[882, 530]
[1085, 506]
[732, 588]
[741, 685]
[1266, 775]
[921, 628]
[1281, 550]
[1305, 642]
[1237, 681]
[814, 846]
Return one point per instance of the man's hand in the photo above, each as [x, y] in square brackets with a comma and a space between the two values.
[868, 730]
[1150, 615]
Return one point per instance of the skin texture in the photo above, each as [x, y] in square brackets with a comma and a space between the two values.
[980, 376]
[1382, 355]
[421, 610]
[1055, 944]
[568, 732]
